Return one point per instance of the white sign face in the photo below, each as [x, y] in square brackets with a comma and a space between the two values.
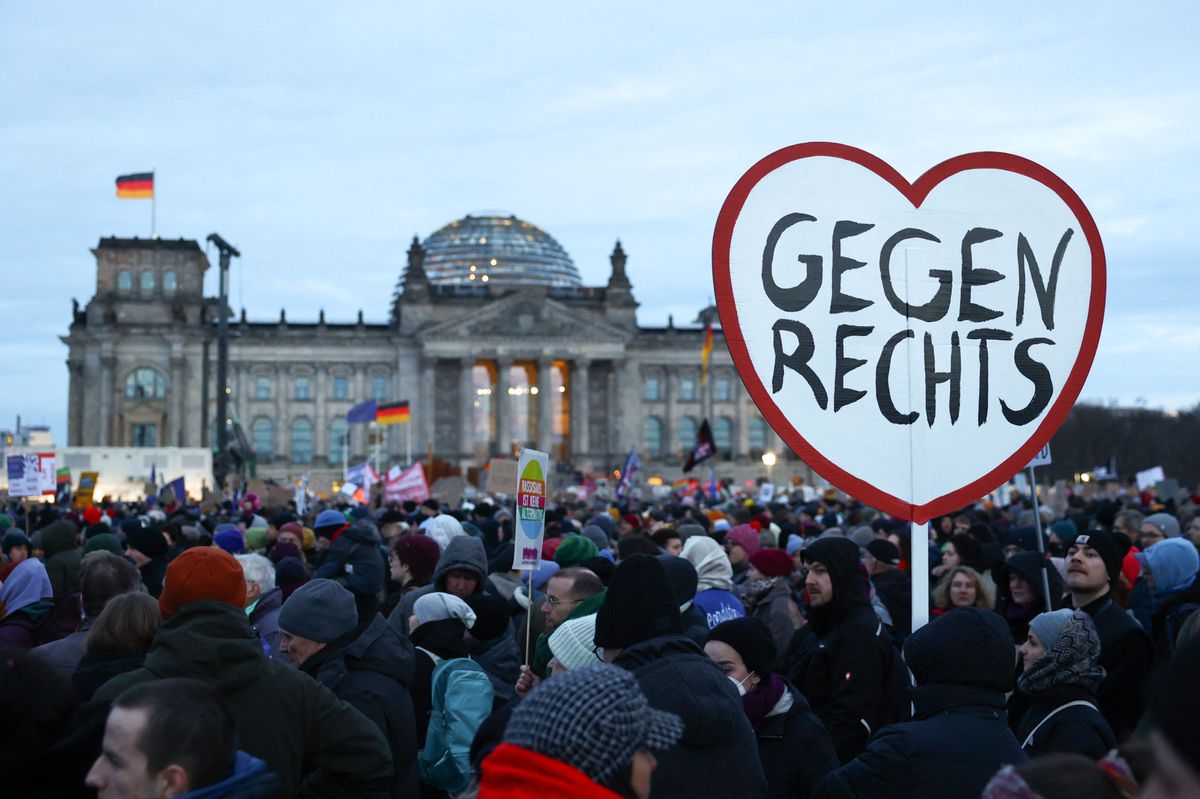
[1042, 458]
[1150, 478]
[533, 469]
[916, 344]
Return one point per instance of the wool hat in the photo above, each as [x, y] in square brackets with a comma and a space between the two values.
[683, 577]
[1165, 522]
[884, 551]
[419, 552]
[14, 538]
[597, 536]
[772, 562]
[795, 543]
[604, 521]
[1110, 548]
[320, 610]
[92, 514]
[575, 549]
[106, 542]
[721, 526]
[439, 606]
[283, 549]
[601, 566]
[202, 573]
[256, 539]
[491, 616]
[593, 719]
[329, 522]
[744, 536]
[639, 605]
[1049, 626]
[571, 642]
[1173, 563]
[550, 547]
[862, 535]
[294, 528]
[1065, 529]
[1024, 538]
[686, 531]
[230, 540]
[289, 575]
[542, 574]
[147, 540]
[751, 638]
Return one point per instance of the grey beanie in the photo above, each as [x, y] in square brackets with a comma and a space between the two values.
[1165, 522]
[320, 610]
[862, 535]
[593, 719]
[686, 531]
[597, 536]
[1049, 626]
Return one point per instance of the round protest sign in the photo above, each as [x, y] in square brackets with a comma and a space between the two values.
[531, 509]
[915, 343]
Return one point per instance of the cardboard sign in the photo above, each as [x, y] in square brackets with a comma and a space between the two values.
[1150, 478]
[24, 476]
[532, 469]
[47, 474]
[1042, 458]
[87, 485]
[915, 343]
[501, 476]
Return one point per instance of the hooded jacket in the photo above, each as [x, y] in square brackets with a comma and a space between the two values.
[789, 729]
[265, 621]
[463, 553]
[1127, 657]
[843, 660]
[959, 737]
[251, 779]
[62, 558]
[714, 581]
[1029, 566]
[371, 668]
[355, 560]
[717, 755]
[282, 716]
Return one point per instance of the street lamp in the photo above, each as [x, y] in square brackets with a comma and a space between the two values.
[768, 459]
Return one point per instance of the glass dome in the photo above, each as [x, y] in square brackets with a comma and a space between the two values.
[492, 248]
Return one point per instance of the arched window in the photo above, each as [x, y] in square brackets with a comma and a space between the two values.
[170, 282]
[723, 436]
[757, 435]
[262, 433]
[145, 383]
[339, 431]
[302, 441]
[652, 436]
[147, 282]
[687, 433]
[124, 281]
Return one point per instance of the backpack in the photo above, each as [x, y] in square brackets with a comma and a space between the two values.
[461, 696]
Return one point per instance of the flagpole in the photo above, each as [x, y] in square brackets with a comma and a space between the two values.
[375, 425]
[408, 443]
[345, 454]
[153, 202]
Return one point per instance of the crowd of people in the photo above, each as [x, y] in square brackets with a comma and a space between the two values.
[675, 647]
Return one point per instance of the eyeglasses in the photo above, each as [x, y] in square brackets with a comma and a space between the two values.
[553, 600]
[598, 651]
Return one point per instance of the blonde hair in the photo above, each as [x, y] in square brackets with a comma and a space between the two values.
[941, 594]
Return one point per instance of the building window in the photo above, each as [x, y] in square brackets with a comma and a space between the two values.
[687, 389]
[262, 388]
[262, 433]
[341, 387]
[757, 435]
[302, 389]
[124, 281]
[302, 441]
[723, 390]
[687, 433]
[723, 436]
[653, 389]
[652, 436]
[379, 389]
[145, 383]
[339, 437]
[170, 282]
[147, 282]
[144, 435]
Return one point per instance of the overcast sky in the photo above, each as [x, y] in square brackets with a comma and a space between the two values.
[319, 138]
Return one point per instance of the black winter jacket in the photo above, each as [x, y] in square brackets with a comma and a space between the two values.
[355, 560]
[795, 750]
[894, 588]
[1127, 655]
[717, 755]
[1079, 729]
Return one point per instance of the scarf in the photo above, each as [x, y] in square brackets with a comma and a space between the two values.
[762, 699]
[757, 590]
[1071, 661]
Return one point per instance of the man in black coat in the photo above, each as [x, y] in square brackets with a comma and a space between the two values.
[684, 582]
[1126, 652]
[842, 659]
[639, 629]
[367, 665]
[959, 737]
[893, 586]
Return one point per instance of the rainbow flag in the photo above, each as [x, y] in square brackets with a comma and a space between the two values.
[138, 186]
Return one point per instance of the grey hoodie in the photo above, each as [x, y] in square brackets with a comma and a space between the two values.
[463, 552]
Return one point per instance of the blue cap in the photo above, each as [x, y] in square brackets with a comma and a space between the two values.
[329, 518]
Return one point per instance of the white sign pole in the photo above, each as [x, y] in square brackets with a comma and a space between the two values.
[919, 565]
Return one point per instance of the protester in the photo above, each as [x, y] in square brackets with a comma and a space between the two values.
[206, 635]
[894, 586]
[1064, 776]
[570, 594]
[1173, 711]
[639, 629]
[842, 659]
[355, 560]
[491, 643]
[147, 548]
[118, 642]
[768, 594]
[960, 587]
[461, 570]
[15, 547]
[263, 601]
[1060, 680]
[1158, 527]
[783, 722]
[1021, 593]
[62, 557]
[684, 581]
[27, 599]
[714, 580]
[740, 543]
[962, 663]
[1170, 567]
[438, 628]
[591, 734]
[571, 645]
[411, 563]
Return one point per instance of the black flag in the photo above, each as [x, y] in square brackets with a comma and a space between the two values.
[705, 447]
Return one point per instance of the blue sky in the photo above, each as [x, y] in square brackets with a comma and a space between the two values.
[320, 137]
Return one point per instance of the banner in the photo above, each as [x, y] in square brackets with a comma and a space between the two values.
[532, 469]
[406, 485]
[47, 474]
[363, 474]
[24, 476]
[62, 489]
[87, 485]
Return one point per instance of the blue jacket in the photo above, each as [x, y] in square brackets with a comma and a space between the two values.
[718, 605]
[250, 780]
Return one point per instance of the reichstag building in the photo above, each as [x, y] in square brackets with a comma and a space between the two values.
[491, 336]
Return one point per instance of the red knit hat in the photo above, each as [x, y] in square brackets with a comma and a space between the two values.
[202, 573]
[91, 514]
[550, 546]
[772, 562]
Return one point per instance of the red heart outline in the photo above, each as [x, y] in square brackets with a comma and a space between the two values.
[915, 193]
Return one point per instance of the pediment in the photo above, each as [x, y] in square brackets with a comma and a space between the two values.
[524, 317]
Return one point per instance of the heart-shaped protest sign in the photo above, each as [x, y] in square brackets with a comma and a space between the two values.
[915, 343]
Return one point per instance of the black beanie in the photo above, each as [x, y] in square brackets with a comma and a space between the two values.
[600, 566]
[683, 577]
[1173, 704]
[491, 616]
[1111, 548]
[639, 605]
[752, 639]
[147, 540]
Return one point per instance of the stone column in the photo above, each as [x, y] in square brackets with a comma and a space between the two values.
[737, 436]
[320, 423]
[358, 432]
[75, 400]
[108, 365]
[466, 407]
[175, 417]
[669, 449]
[545, 430]
[424, 412]
[580, 408]
[503, 407]
[281, 422]
[628, 406]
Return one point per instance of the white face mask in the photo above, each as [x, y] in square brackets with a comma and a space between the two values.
[739, 684]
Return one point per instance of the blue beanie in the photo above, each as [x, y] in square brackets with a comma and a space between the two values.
[329, 518]
[1173, 564]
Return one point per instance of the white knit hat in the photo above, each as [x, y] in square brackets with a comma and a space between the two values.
[438, 606]
[571, 644]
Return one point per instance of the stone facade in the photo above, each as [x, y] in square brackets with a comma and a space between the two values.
[485, 367]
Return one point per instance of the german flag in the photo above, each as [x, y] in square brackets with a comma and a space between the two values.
[139, 186]
[392, 413]
[705, 352]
